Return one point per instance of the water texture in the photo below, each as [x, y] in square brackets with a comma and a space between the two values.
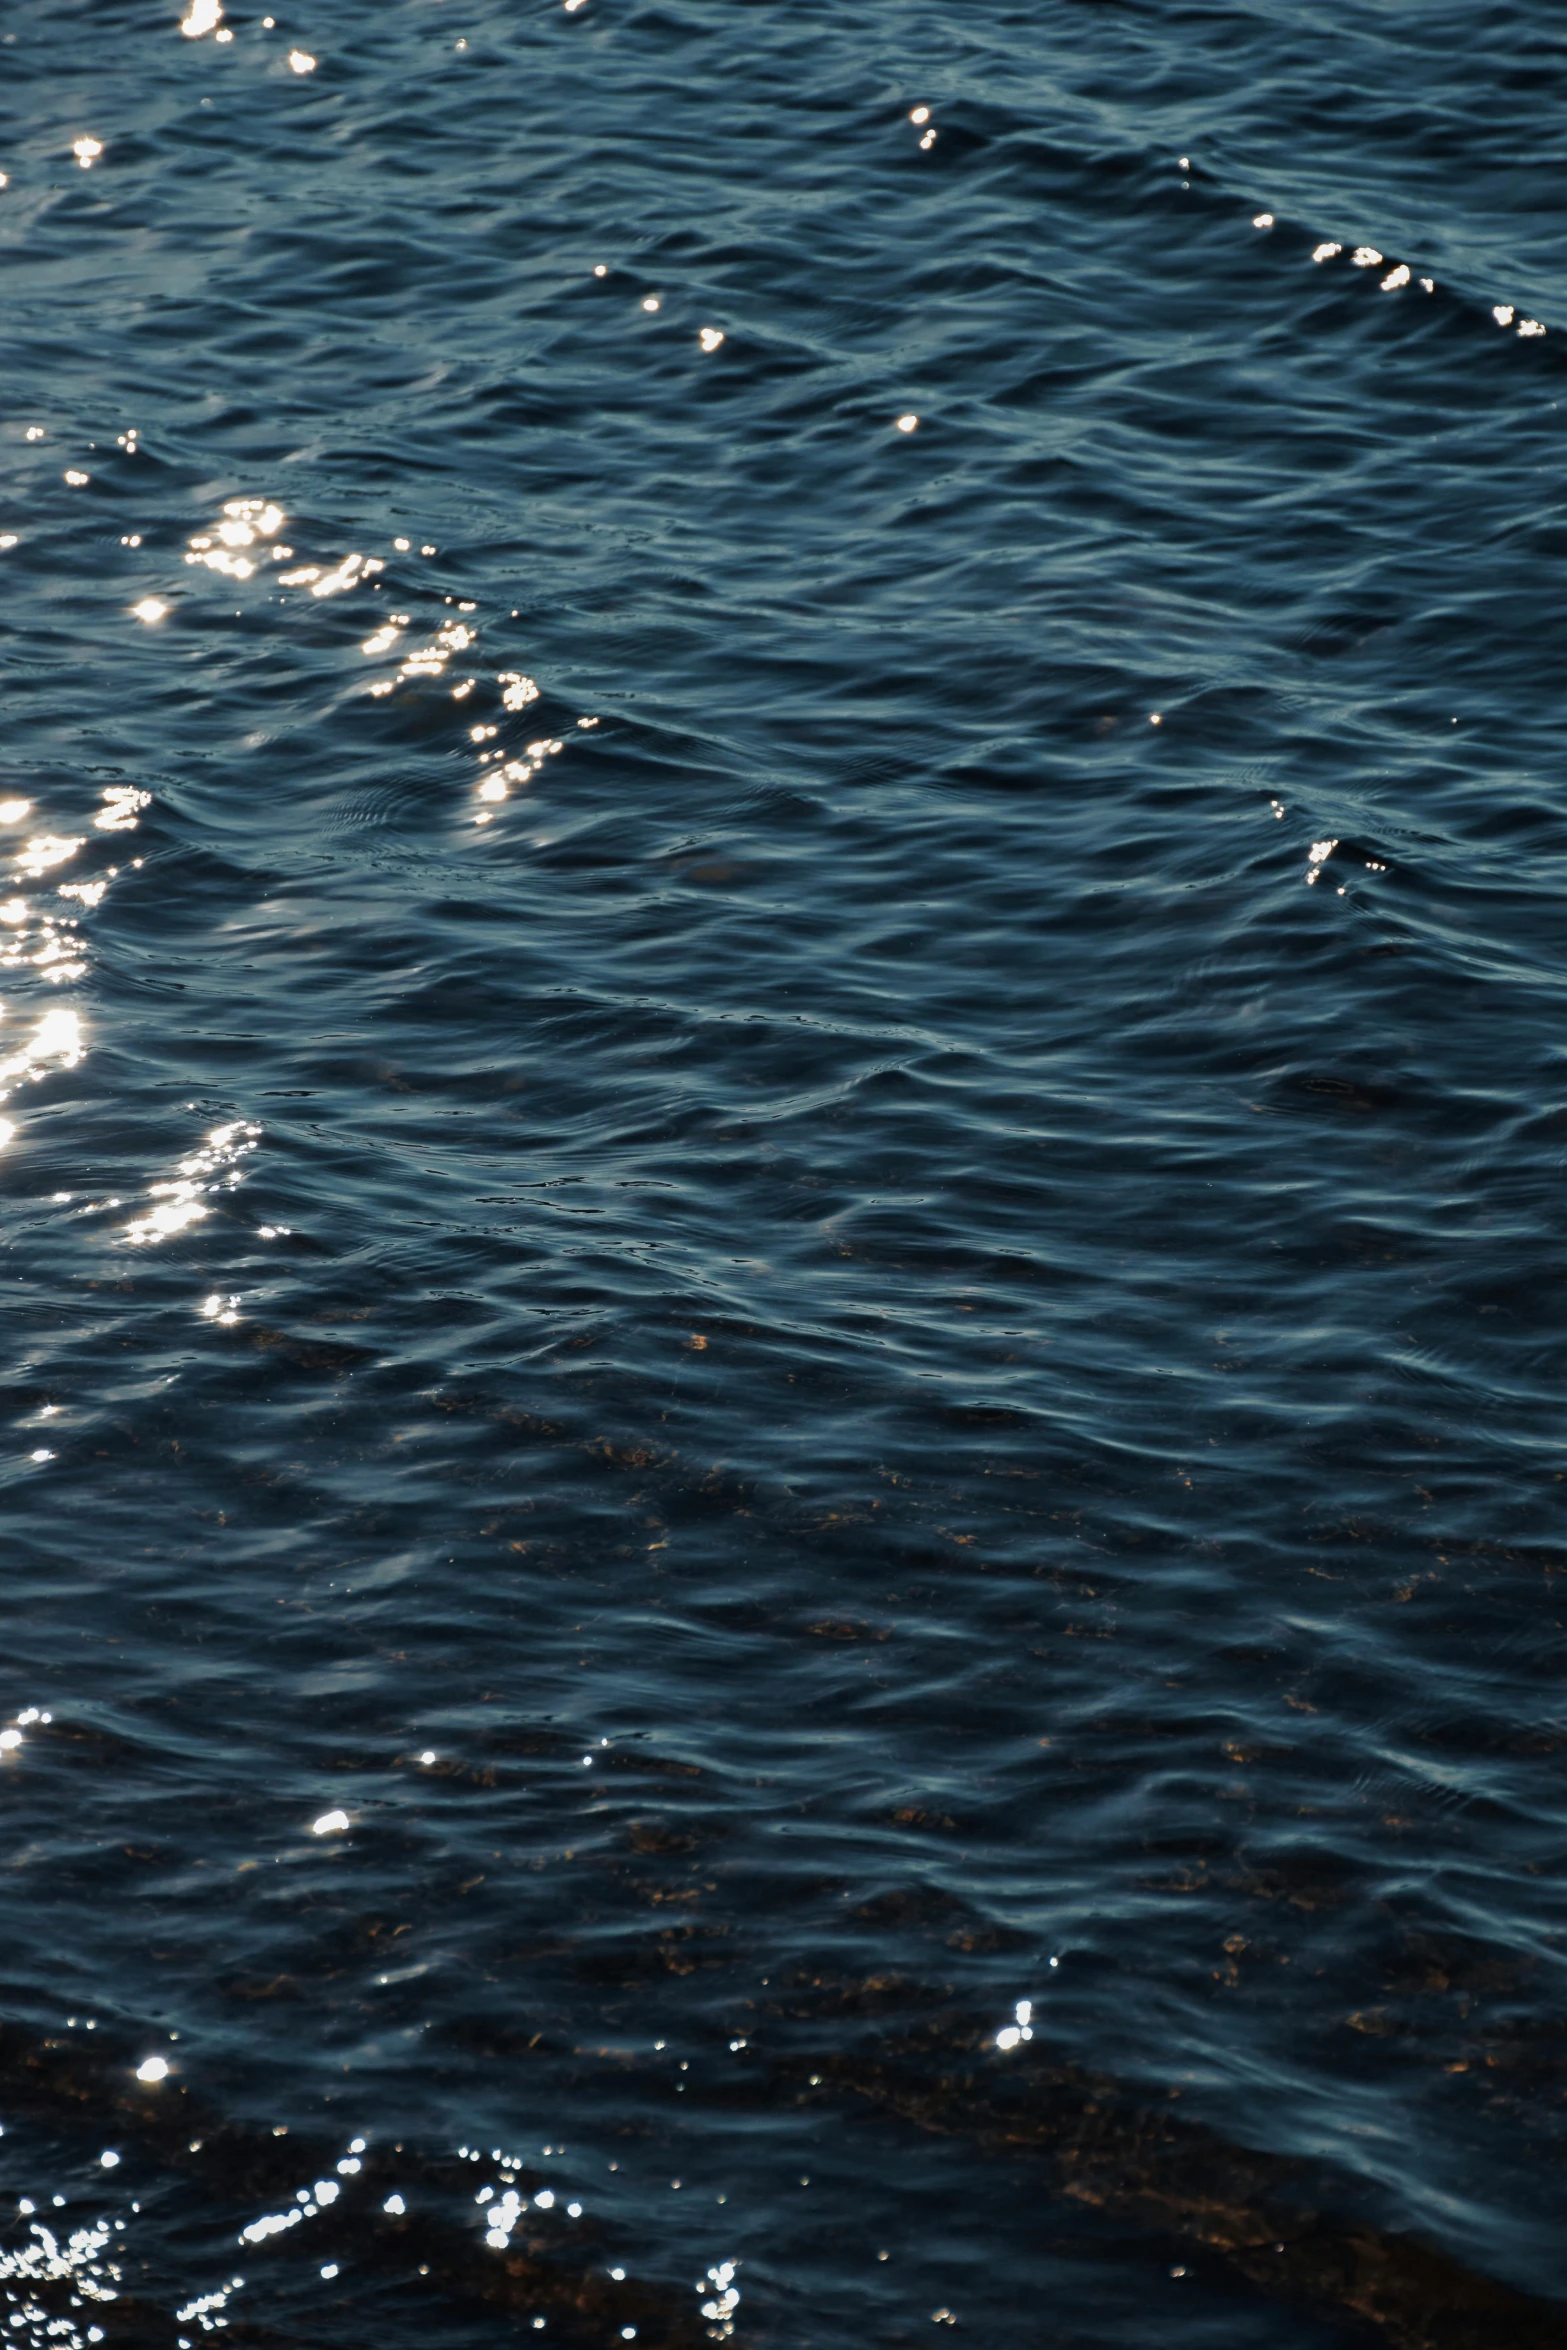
[784, 1007]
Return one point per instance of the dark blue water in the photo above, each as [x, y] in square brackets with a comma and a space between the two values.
[785, 1008]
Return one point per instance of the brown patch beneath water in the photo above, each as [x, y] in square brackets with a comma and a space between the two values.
[1269, 2219]
[1260, 2213]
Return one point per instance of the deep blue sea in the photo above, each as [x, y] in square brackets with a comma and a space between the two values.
[783, 1004]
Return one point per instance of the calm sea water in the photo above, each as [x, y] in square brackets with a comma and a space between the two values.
[785, 1018]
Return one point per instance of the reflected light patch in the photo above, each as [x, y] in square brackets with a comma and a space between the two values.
[87, 151]
[57, 1038]
[1022, 2028]
[182, 1201]
[244, 521]
[338, 582]
[151, 609]
[122, 804]
[331, 1823]
[205, 17]
[203, 2307]
[431, 659]
[43, 850]
[75, 2262]
[301, 61]
[173, 1216]
[724, 2296]
[908, 423]
[710, 337]
[153, 2068]
[12, 811]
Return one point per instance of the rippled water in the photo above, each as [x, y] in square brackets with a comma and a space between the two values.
[783, 1002]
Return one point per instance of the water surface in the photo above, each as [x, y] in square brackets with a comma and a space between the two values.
[783, 1004]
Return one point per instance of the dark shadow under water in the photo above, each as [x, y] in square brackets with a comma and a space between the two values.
[1286, 2229]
